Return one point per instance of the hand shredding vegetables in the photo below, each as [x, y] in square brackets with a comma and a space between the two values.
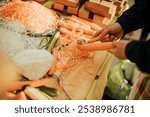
[68, 51]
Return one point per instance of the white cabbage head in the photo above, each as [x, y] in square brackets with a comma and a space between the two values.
[34, 63]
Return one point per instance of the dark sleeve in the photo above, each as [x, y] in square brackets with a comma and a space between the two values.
[136, 17]
[139, 53]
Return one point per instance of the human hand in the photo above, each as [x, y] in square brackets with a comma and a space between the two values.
[119, 50]
[109, 33]
[11, 96]
[9, 74]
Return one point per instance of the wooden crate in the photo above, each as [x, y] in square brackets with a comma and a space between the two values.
[120, 5]
[65, 8]
[86, 14]
[103, 8]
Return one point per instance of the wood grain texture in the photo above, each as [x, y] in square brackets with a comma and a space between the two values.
[58, 6]
[71, 3]
[78, 79]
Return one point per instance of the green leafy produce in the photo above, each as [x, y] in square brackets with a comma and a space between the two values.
[117, 86]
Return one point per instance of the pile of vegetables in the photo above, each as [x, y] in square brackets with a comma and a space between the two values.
[67, 51]
[34, 16]
[62, 45]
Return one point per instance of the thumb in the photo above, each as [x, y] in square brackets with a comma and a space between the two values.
[115, 43]
[93, 40]
[104, 33]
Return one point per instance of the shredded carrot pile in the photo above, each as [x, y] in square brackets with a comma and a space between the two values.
[71, 30]
[35, 17]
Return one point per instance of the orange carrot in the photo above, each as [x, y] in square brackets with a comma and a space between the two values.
[77, 21]
[91, 24]
[66, 66]
[71, 26]
[53, 68]
[64, 31]
[84, 54]
[96, 46]
[19, 84]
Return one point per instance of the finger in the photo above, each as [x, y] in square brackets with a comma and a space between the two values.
[97, 33]
[105, 39]
[93, 40]
[112, 37]
[104, 33]
[21, 96]
[98, 39]
[116, 38]
[115, 43]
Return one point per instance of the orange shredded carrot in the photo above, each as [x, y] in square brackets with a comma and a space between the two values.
[96, 46]
[34, 16]
[71, 30]
[53, 68]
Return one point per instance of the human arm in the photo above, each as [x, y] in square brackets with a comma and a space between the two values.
[136, 17]
[136, 51]
[132, 19]
[139, 53]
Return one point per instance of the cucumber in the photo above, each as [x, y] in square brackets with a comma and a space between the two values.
[53, 42]
[35, 93]
[49, 91]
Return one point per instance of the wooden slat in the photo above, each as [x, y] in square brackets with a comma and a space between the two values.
[71, 3]
[120, 5]
[72, 10]
[99, 20]
[103, 9]
[58, 6]
[95, 1]
[83, 13]
[97, 94]
[67, 9]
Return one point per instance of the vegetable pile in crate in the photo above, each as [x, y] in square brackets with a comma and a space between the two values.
[100, 12]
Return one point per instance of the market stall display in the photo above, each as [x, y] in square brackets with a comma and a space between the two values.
[69, 69]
